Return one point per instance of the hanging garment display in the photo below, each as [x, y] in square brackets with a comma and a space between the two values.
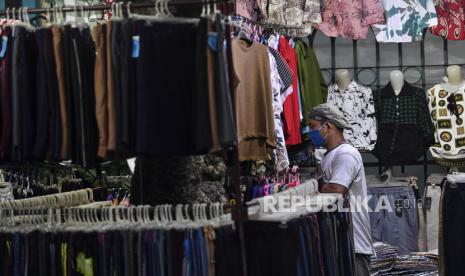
[396, 223]
[452, 224]
[253, 101]
[313, 88]
[431, 203]
[291, 107]
[405, 20]
[405, 129]
[451, 20]
[357, 105]
[350, 19]
[294, 13]
[446, 106]
[280, 156]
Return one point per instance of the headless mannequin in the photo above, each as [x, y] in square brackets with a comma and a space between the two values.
[454, 75]
[397, 81]
[343, 78]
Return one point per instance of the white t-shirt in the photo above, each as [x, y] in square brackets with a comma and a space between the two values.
[343, 165]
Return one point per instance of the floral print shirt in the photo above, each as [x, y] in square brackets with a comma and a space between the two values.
[294, 13]
[451, 20]
[350, 18]
[357, 105]
[280, 153]
[405, 20]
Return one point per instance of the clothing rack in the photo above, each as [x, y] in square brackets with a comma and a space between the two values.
[66, 9]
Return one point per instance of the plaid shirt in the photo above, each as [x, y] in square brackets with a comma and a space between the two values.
[408, 108]
[405, 129]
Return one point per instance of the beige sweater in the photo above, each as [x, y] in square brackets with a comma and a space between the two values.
[253, 101]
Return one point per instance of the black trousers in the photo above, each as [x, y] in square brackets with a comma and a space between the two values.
[453, 219]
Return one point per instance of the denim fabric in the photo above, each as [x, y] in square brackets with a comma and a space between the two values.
[398, 228]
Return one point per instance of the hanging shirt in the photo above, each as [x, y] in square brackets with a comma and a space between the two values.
[294, 13]
[448, 121]
[281, 156]
[405, 20]
[350, 19]
[291, 104]
[253, 101]
[405, 129]
[357, 105]
[313, 87]
[451, 20]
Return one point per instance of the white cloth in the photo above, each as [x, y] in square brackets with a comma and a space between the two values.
[357, 105]
[433, 195]
[343, 165]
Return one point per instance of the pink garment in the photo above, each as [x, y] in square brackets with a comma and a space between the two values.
[350, 18]
[251, 9]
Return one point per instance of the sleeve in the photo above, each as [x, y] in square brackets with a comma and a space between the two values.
[343, 169]
[370, 116]
[424, 117]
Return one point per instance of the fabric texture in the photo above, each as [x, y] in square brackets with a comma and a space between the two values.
[350, 19]
[405, 20]
[396, 222]
[343, 165]
[313, 88]
[451, 20]
[357, 105]
[448, 121]
[101, 109]
[404, 127]
[280, 153]
[453, 228]
[291, 115]
[253, 101]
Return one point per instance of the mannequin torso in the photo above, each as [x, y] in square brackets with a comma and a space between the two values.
[397, 81]
[343, 79]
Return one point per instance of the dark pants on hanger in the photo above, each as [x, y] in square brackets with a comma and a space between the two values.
[453, 235]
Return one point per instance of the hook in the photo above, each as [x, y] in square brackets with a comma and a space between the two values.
[128, 9]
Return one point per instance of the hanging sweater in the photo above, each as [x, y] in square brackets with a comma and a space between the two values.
[253, 101]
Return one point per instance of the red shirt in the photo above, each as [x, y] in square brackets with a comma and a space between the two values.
[451, 20]
[291, 104]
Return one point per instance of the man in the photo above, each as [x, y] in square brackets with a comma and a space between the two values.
[343, 172]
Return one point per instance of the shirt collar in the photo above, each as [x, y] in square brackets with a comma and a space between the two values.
[388, 91]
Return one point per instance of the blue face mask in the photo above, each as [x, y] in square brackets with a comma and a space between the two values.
[317, 139]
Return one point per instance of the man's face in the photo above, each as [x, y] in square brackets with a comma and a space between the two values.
[314, 124]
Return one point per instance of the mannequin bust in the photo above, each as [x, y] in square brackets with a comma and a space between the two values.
[397, 81]
[454, 75]
[343, 78]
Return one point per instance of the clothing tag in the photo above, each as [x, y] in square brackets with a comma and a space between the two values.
[135, 46]
[4, 45]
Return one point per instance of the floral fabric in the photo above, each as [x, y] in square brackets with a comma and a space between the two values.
[350, 18]
[281, 156]
[357, 105]
[405, 20]
[294, 13]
